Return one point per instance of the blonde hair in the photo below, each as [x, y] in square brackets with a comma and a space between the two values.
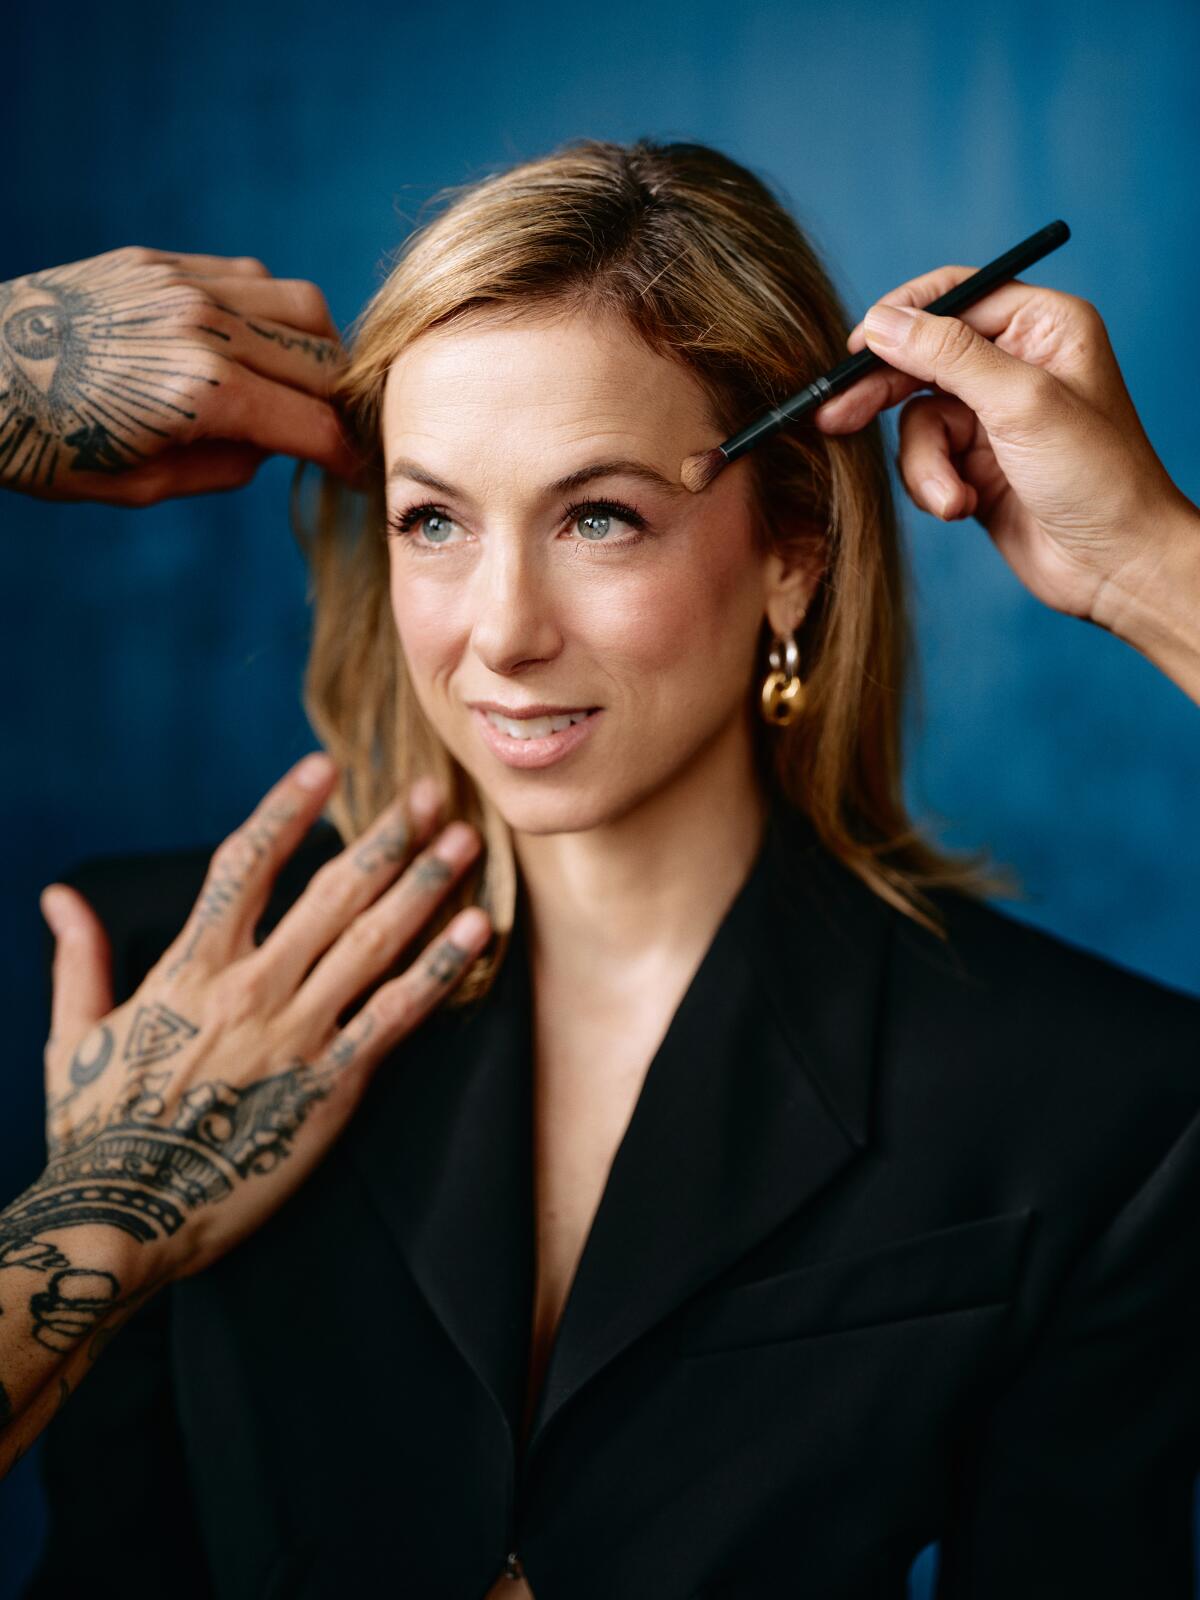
[710, 269]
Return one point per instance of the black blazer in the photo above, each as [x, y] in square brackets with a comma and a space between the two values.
[899, 1246]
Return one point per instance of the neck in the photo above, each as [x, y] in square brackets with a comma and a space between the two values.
[647, 890]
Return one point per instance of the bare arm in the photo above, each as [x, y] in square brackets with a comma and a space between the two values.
[61, 1300]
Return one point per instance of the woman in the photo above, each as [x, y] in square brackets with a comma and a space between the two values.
[761, 1204]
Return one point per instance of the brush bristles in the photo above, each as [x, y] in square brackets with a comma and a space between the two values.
[699, 471]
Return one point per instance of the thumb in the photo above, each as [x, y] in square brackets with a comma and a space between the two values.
[1001, 390]
[82, 974]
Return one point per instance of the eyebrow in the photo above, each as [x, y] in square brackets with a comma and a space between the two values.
[621, 467]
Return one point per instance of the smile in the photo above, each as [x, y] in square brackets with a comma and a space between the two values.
[534, 741]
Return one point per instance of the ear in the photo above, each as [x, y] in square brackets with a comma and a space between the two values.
[790, 578]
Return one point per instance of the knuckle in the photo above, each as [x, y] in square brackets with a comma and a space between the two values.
[398, 1006]
[327, 887]
[211, 368]
[235, 402]
[137, 255]
[233, 858]
[369, 938]
[310, 301]
[1041, 388]
[240, 994]
[953, 342]
[1086, 313]
[192, 300]
[251, 264]
[913, 417]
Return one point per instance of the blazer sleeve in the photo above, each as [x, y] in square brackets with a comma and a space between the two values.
[118, 1498]
[1082, 1480]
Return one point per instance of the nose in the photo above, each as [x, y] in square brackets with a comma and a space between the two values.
[514, 624]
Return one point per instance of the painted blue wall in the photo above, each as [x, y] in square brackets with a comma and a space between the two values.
[152, 659]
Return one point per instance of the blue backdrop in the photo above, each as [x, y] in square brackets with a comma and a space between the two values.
[152, 659]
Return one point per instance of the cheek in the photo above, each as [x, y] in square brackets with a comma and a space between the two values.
[427, 621]
[698, 615]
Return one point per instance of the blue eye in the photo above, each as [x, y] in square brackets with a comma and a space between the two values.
[592, 519]
[595, 517]
[431, 534]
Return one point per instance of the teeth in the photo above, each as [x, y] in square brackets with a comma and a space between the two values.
[534, 727]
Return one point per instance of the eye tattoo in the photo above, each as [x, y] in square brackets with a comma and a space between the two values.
[594, 517]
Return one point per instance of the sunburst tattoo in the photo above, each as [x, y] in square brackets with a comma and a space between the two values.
[95, 371]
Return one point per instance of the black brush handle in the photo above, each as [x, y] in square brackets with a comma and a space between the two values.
[964, 294]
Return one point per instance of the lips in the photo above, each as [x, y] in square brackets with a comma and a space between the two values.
[534, 741]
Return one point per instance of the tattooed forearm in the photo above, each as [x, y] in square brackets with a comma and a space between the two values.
[141, 1168]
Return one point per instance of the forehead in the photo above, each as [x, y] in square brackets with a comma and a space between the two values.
[559, 379]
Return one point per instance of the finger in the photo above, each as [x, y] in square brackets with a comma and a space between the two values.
[274, 417]
[990, 316]
[244, 867]
[1003, 391]
[340, 889]
[933, 429]
[206, 467]
[208, 266]
[295, 302]
[275, 350]
[82, 969]
[864, 400]
[396, 1008]
[372, 941]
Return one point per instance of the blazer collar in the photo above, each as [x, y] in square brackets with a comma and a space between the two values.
[758, 1096]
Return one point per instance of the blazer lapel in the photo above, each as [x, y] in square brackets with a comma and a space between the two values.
[758, 1096]
[443, 1141]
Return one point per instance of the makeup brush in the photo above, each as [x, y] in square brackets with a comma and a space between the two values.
[699, 471]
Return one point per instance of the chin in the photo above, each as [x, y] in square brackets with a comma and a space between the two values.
[567, 809]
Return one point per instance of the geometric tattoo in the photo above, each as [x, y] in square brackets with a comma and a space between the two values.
[157, 1032]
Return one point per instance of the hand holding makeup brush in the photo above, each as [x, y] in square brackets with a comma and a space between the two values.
[1031, 430]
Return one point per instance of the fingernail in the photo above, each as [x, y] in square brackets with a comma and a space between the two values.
[52, 906]
[471, 925]
[314, 770]
[459, 840]
[937, 495]
[888, 324]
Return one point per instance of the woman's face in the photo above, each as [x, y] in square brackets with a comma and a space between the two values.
[623, 601]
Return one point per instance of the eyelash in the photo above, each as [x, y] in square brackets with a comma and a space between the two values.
[402, 522]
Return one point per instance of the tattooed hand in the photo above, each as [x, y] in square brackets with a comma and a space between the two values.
[183, 1118]
[136, 375]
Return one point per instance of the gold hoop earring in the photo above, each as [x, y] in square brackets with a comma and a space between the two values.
[783, 688]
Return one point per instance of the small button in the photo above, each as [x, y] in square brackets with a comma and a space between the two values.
[512, 1565]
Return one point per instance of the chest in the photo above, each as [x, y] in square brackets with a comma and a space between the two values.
[589, 1067]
